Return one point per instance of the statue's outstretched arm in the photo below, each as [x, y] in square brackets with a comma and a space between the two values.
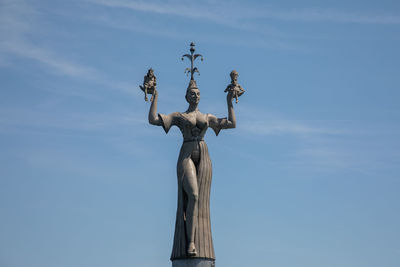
[217, 124]
[153, 116]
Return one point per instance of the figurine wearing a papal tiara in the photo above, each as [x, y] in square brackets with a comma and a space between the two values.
[234, 87]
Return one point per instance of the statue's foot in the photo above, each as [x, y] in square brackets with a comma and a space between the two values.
[191, 250]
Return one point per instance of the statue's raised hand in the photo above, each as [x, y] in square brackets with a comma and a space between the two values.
[154, 95]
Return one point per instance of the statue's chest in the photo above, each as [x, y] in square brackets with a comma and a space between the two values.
[194, 123]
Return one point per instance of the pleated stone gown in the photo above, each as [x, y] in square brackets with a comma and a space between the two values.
[193, 131]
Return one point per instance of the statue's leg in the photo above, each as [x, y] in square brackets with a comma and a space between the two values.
[191, 189]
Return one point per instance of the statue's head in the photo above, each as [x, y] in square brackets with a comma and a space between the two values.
[150, 72]
[192, 93]
[234, 74]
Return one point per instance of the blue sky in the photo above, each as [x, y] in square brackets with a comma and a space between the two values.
[309, 178]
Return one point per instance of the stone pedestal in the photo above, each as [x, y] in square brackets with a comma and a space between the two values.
[193, 263]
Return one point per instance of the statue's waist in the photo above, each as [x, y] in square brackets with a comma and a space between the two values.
[193, 139]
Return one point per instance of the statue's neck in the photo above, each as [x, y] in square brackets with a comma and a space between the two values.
[192, 108]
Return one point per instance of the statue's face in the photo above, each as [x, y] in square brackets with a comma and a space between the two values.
[234, 76]
[193, 96]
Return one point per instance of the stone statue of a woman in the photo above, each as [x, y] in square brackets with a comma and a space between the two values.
[192, 230]
[192, 237]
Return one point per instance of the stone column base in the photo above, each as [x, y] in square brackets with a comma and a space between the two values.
[193, 263]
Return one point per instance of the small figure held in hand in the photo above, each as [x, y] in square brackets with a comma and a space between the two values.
[234, 87]
[149, 84]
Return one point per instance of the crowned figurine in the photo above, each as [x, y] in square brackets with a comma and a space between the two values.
[234, 87]
[149, 84]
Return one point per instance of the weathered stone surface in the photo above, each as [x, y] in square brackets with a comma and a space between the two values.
[193, 263]
[193, 245]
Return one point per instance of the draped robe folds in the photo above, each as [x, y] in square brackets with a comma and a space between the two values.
[193, 130]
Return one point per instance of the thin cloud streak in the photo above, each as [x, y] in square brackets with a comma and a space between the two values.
[330, 15]
[17, 23]
[165, 9]
[58, 65]
[20, 118]
[168, 31]
[223, 15]
[318, 146]
[279, 127]
[325, 149]
[275, 124]
[233, 14]
[55, 63]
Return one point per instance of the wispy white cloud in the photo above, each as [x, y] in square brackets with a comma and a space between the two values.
[324, 158]
[233, 14]
[178, 9]
[219, 13]
[256, 20]
[136, 25]
[17, 24]
[17, 20]
[279, 127]
[78, 160]
[328, 15]
[321, 146]
[276, 124]
[12, 118]
[178, 33]
[54, 62]
[327, 146]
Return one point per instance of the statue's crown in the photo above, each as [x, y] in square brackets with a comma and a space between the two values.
[192, 85]
[192, 57]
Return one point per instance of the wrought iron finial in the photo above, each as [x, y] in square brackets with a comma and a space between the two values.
[192, 57]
